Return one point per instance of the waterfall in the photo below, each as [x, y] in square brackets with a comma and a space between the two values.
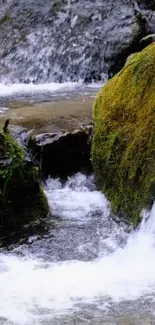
[46, 44]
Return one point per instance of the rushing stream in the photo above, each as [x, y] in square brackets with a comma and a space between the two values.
[86, 269]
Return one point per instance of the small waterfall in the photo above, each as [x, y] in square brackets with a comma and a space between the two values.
[85, 268]
[64, 41]
[87, 262]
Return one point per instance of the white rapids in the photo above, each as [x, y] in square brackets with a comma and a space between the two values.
[28, 90]
[31, 88]
[34, 291]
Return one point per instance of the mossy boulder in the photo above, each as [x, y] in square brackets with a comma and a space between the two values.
[22, 201]
[123, 150]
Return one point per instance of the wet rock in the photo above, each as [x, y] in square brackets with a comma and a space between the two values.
[88, 40]
[146, 9]
[22, 201]
[62, 154]
[147, 4]
[21, 135]
[150, 17]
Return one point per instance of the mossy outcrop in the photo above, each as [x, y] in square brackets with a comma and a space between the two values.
[22, 201]
[123, 150]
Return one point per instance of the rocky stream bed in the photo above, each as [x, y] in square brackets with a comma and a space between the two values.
[65, 256]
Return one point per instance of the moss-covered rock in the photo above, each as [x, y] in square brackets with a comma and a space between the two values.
[123, 150]
[22, 201]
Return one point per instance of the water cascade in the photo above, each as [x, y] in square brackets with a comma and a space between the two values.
[87, 267]
[86, 262]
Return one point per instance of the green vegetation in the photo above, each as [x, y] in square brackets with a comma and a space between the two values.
[123, 150]
[22, 201]
[5, 18]
[56, 7]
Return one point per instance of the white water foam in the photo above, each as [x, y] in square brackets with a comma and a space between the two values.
[32, 290]
[29, 89]
[75, 200]
[3, 109]
[48, 89]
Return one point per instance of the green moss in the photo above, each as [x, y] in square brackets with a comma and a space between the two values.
[15, 152]
[29, 13]
[16, 156]
[56, 7]
[5, 18]
[123, 150]
[22, 200]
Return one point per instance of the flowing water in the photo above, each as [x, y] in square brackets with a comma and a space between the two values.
[85, 266]
[85, 269]
[48, 107]
[62, 41]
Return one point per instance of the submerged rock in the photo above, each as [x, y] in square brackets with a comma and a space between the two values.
[61, 154]
[22, 201]
[123, 150]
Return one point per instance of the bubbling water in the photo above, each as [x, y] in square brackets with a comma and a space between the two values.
[33, 290]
